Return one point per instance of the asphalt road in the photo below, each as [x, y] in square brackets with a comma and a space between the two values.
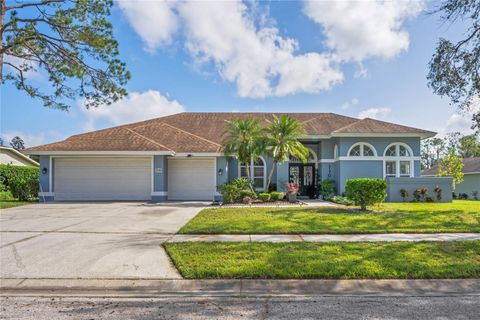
[341, 307]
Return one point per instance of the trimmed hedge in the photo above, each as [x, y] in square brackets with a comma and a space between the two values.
[264, 196]
[366, 191]
[21, 181]
[275, 195]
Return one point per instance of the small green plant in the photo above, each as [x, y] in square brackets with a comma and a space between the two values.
[404, 194]
[231, 190]
[438, 192]
[265, 197]
[248, 193]
[419, 194]
[275, 195]
[475, 195]
[366, 191]
[429, 198]
[327, 188]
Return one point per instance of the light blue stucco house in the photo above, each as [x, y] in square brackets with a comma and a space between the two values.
[179, 157]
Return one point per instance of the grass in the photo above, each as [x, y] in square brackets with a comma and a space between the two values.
[333, 260]
[8, 201]
[459, 216]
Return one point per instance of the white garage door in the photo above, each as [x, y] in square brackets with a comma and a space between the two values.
[102, 178]
[191, 179]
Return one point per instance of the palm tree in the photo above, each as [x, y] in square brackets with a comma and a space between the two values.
[244, 139]
[282, 140]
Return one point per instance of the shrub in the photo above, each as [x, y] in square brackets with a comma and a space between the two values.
[264, 196]
[21, 181]
[404, 194]
[342, 200]
[462, 196]
[475, 195]
[247, 193]
[275, 195]
[247, 200]
[429, 198]
[327, 188]
[454, 196]
[438, 191]
[419, 194]
[231, 190]
[366, 191]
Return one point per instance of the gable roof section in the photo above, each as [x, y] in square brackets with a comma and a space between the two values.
[19, 154]
[202, 132]
[470, 165]
[369, 126]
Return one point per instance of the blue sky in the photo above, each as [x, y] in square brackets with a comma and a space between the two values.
[365, 59]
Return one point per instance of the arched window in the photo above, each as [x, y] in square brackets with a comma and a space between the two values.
[398, 160]
[312, 157]
[258, 172]
[362, 149]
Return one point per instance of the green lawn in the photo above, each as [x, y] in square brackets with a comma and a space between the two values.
[7, 201]
[459, 216]
[334, 260]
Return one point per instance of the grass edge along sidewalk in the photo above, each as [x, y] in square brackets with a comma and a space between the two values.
[332, 260]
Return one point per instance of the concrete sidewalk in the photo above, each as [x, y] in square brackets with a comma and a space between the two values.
[324, 237]
[235, 287]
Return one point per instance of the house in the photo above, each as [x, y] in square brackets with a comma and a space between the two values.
[15, 158]
[179, 157]
[471, 179]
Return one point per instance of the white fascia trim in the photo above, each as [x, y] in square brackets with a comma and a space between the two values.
[466, 173]
[315, 137]
[327, 160]
[198, 154]
[46, 194]
[100, 153]
[160, 193]
[388, 135]
[379, 158]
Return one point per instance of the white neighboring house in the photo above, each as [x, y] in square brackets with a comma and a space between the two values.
[15, 158]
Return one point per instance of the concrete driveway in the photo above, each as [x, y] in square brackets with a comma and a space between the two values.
[90, 240]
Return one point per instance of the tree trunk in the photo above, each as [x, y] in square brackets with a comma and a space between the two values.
[2, 17]
[274, 164]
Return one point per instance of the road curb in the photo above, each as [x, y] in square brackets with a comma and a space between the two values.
[239, 287]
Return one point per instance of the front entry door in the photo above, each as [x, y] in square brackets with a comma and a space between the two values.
[304, 175]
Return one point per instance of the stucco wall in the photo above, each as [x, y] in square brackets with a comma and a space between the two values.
[349, 169]
[411, 184]
[471, 182]
[379, 143]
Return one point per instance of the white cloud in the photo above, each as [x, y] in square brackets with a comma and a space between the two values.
[356, 30]
[29, 68]
[31, 139]
[461, 122]
[350, 103]
[375, 113]
[154, 21]
[246, 52]
[137, 106]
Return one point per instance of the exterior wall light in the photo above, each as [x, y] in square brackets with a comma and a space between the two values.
[44, 170]
[220, 171]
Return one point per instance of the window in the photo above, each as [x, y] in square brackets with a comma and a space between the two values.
[335, 152]
[258, 173]
[362, 149]
[311, 157]
[398, 160]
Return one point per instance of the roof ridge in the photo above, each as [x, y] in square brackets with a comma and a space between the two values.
[348, 125]
[149, 140]
[192, 134]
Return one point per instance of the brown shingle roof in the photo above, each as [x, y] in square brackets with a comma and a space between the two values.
[470, 165]
[203, 132]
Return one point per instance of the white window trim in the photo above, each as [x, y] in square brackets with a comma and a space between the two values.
[361, 144]
[315, 158]
[252, 171]
[398, 158]
[335, 152]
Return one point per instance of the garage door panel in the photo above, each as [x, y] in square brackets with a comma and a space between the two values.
[191, 179]
[102, 178]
